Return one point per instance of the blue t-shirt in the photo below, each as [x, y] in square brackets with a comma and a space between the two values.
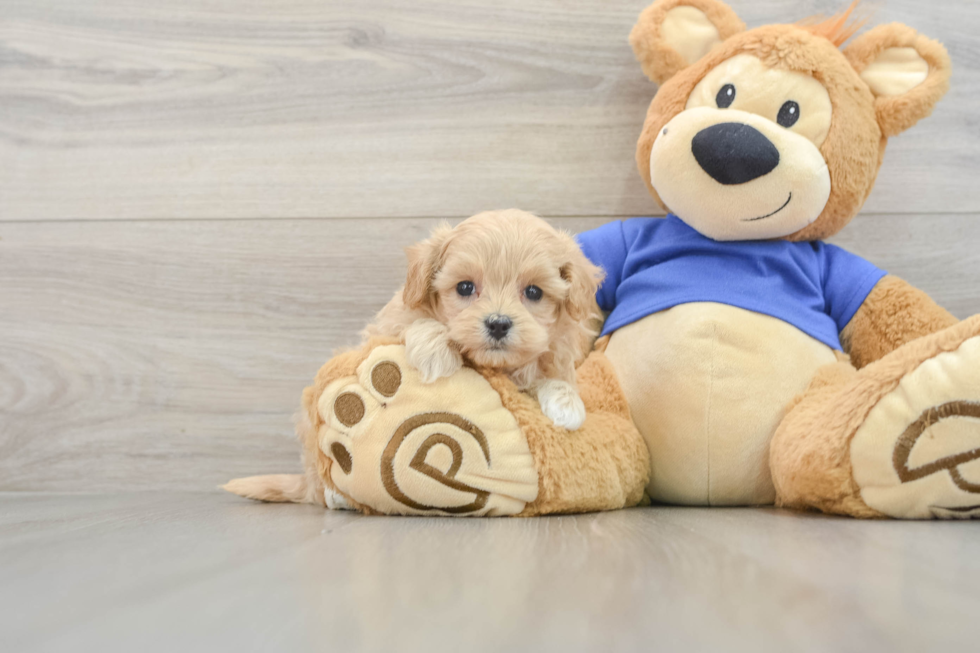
[653, 264]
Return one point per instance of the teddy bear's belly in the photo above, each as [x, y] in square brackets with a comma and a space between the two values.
[707, 385]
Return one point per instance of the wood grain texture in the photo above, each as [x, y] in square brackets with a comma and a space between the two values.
[172, 354]
[212, 572]
[382, 108]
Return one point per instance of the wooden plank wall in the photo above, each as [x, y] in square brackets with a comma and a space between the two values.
[199, 200]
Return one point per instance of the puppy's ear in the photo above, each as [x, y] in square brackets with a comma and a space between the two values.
[583, 278]
[424, 260]
[670, 35]
[907, 73]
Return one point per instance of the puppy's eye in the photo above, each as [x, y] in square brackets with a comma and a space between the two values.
[789, 113]
[533, 293]
[465, 288]
[725, 96]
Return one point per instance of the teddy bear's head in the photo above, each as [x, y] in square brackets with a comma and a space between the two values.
[774, 132]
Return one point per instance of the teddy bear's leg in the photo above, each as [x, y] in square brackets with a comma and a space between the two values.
[385, 442]
[899, 437]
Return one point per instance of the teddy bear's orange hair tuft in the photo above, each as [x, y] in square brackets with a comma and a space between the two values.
[837, 28]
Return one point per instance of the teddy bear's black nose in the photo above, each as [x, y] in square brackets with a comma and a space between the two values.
[734, 153]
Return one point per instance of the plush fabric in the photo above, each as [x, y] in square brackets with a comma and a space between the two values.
[893, 314]
[811, 453]
[935, 410]
[404, 447]
[602, 466]
[660, 60]
[708, 384]
[896, 113]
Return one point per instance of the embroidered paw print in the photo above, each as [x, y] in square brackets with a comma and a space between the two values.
[349, 408]
[917, 454]
[404, 447]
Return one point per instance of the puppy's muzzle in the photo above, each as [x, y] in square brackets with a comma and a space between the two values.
[498, 326]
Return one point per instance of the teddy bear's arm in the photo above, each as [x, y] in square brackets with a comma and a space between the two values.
[893, 314]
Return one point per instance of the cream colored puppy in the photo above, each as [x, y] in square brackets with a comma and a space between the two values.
[505, 290]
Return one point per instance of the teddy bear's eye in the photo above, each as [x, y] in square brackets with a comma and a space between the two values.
[789, 113]
[725, 96]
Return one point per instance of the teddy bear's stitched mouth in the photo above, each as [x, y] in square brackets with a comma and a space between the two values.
[769, 215]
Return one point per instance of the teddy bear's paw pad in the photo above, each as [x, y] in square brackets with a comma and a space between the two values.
[917, 455]
[400, 446]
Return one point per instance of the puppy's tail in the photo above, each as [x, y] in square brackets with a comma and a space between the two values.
[275, 488]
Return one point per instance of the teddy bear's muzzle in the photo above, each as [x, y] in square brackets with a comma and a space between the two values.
[735, 175]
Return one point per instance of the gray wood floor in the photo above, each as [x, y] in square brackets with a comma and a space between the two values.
[200, 200]
[198, 572]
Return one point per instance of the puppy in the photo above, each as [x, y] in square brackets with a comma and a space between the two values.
[505, 290]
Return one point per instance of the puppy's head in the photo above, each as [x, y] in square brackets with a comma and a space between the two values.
[508, 285]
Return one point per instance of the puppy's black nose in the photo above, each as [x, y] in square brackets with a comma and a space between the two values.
[734, 153]
[498, 326]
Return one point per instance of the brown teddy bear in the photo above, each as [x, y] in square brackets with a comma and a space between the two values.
[760, 364]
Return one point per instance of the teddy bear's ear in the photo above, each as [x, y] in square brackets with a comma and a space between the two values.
[670, 35]
[906, 72]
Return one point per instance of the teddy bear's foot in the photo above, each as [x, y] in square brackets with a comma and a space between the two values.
[398, 446]
[898, 438]
[917, 454]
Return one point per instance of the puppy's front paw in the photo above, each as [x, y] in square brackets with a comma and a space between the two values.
[561, 404]
[428, 349]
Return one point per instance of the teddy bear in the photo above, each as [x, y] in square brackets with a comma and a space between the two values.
[743, 361]
[760, 364]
